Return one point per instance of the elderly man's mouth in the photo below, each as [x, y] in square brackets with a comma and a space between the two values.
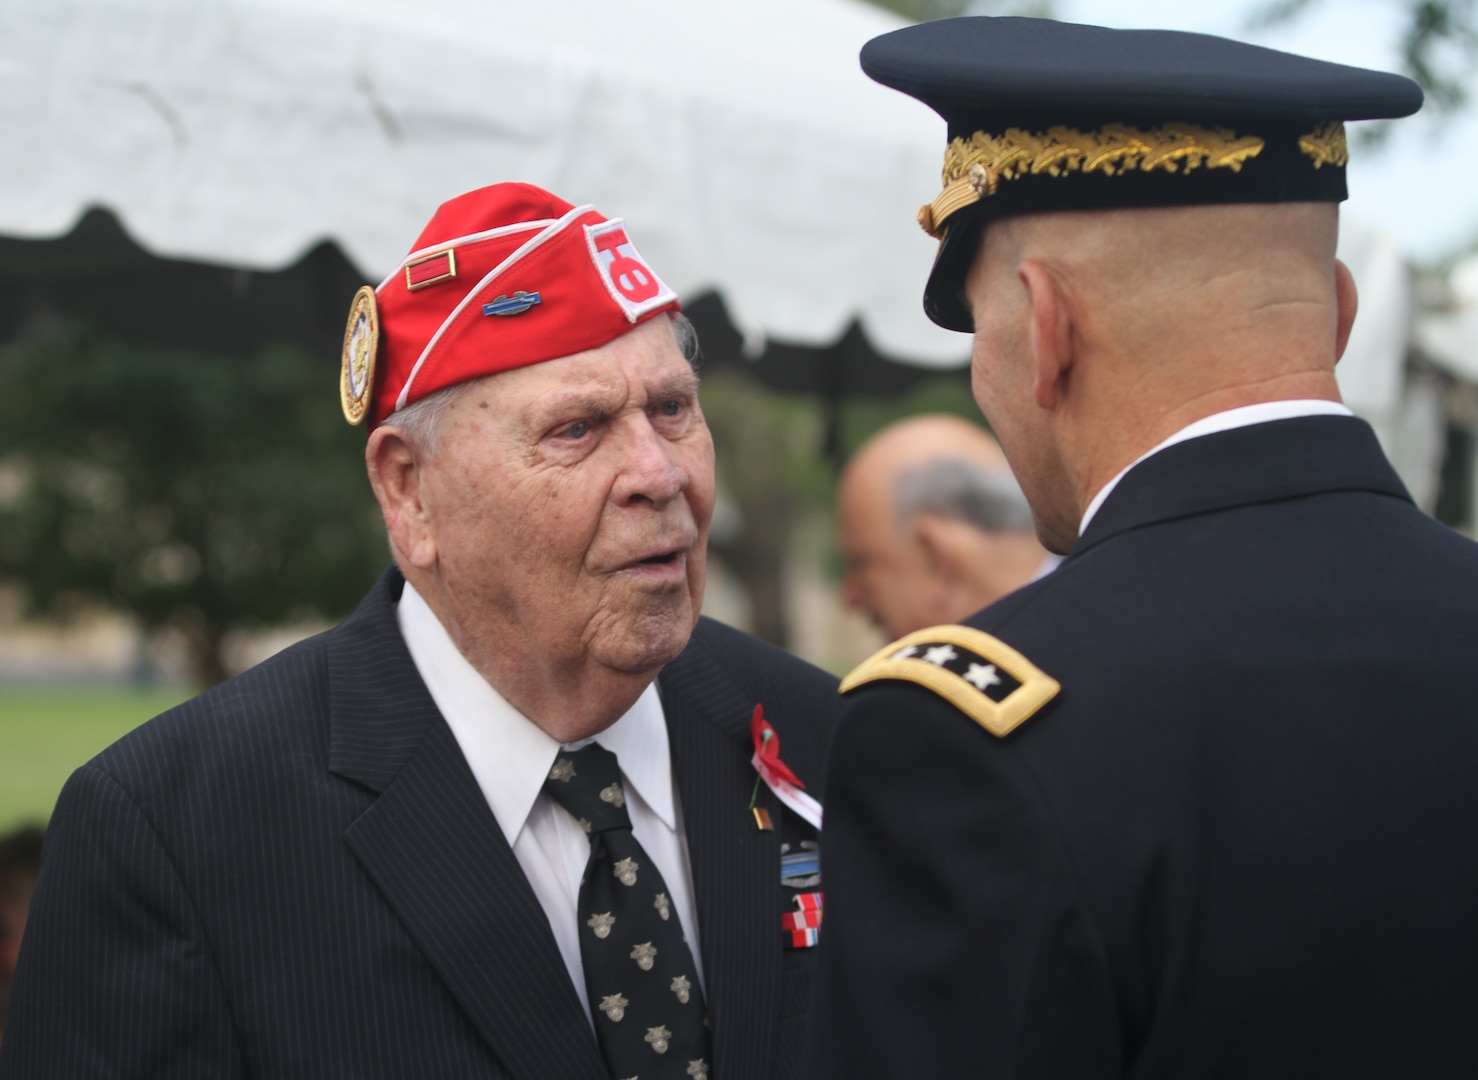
[662, 567]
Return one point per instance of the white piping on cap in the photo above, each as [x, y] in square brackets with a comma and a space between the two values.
[549, 233]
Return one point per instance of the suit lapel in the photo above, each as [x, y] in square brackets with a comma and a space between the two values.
[735, 866]
[432, 847]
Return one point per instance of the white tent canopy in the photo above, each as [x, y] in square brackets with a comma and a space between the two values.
[1403, 405]
[1450, 338]
[740, 140]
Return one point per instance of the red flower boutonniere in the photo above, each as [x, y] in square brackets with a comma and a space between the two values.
[777, 775]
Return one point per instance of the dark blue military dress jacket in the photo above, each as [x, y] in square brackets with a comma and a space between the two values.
[1240, 841]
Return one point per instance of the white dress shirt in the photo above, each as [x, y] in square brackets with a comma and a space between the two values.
[1245, 416]
[511, 757]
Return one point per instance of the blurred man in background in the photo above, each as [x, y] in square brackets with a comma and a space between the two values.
[933, 525]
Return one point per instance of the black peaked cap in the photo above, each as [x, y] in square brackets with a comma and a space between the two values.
[1046, 115]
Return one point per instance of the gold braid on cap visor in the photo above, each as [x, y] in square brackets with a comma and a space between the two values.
[974, 168]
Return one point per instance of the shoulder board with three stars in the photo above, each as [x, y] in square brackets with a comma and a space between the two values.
[980, 675]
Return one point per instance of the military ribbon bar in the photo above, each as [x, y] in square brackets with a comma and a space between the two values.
[802, 928]
[430, 269]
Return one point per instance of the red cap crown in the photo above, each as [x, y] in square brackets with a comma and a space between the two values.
[503, 277]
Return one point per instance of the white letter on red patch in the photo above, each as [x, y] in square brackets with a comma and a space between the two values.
[633, 284]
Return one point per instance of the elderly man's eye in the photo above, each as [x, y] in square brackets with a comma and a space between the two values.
[578, 430]
[672, 407]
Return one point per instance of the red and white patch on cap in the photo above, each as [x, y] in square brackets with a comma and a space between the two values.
[633, 284]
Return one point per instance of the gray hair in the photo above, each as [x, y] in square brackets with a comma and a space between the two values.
[422, 421]
[962, 490]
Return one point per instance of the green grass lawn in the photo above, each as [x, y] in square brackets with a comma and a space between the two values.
[46, 732]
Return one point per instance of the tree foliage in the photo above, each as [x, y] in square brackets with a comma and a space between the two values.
[1439, 43]
[198, 493]
[774, 475]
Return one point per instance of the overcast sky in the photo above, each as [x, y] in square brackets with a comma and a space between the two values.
[1422, 184]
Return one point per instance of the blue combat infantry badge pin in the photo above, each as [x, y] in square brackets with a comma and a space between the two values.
[516, 304]
[800, 869]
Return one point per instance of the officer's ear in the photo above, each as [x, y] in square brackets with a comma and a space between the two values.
[394, 465]
[1050, 335]
[1346, 301]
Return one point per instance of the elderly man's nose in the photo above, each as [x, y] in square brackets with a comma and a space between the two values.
[652, 471]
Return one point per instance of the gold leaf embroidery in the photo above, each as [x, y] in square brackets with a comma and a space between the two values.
[974, 167]
[1113, 149]
[1326, 145]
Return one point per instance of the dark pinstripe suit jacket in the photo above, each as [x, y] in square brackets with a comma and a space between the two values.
[295, 875]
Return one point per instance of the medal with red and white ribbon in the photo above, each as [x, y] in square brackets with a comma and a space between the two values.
[777, 775]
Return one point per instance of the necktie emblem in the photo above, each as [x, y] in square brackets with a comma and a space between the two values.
[601, 924]
[613, 795]
[663, 906]
[658, 1037]
[644, 955]
[614, 1006]
[625, 871]
[681, 987]
[563, 771]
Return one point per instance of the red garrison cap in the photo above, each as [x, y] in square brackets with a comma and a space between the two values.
[502, 277]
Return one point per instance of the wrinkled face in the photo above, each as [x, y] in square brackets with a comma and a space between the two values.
[570, 504]
[888, 576]
[1001, 377]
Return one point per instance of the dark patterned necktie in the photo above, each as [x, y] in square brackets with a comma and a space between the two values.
[639, 972]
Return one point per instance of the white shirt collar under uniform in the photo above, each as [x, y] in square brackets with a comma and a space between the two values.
[1245, 416]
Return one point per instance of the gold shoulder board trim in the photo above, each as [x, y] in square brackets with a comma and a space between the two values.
[980, 675]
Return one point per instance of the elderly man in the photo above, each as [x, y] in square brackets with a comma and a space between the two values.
[933, 525]
[504, 821]
[1200, 802]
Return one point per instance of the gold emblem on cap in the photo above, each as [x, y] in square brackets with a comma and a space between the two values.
[975, 167]
[361, 344]
[1326, 145]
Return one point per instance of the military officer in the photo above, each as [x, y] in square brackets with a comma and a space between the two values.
[1199, 803]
